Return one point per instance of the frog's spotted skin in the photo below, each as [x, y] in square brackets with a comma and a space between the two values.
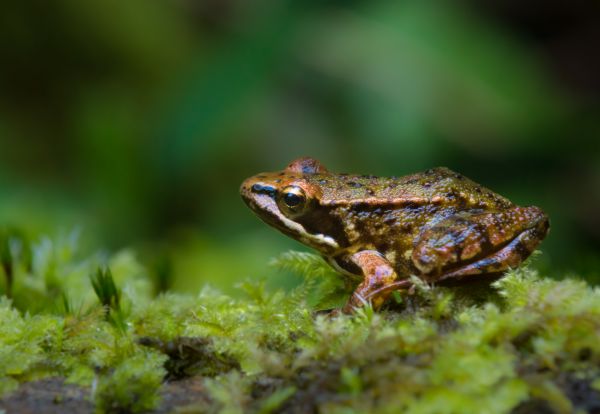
[437, 225]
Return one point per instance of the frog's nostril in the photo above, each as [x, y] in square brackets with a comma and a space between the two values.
[263, 189]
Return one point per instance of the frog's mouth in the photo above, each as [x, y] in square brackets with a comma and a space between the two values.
[261, 198]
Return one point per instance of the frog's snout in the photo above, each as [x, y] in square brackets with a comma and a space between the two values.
[259, 193]
[259, 188]
[252, 189]
[246, 191]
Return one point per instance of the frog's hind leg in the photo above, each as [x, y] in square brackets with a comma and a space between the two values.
[509, 257]
[380, 279]
[478, 243]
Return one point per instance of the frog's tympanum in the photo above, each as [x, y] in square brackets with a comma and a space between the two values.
[437, 225]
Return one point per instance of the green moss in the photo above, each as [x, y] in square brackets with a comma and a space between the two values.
[14, 341]
[132, 385]
[525, 341]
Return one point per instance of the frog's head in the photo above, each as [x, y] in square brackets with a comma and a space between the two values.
[290, 201]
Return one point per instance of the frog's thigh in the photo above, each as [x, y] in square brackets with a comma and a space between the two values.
[379, 280]
[508, 257]
[466, 237]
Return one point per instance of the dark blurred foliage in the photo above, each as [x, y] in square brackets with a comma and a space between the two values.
[138, 120]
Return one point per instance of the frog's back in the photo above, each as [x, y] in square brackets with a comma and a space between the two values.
[434, 186]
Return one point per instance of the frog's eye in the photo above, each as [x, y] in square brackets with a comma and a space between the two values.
[293, 199]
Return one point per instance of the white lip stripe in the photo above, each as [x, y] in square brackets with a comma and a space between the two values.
[318, 238]
[268, 204]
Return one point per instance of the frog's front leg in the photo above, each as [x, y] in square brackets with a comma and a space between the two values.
[379, 281]
[472, 243]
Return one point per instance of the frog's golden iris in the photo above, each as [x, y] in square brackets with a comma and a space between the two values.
[292, 200]
[437, 225]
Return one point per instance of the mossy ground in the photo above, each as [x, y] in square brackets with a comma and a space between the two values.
[523, 344]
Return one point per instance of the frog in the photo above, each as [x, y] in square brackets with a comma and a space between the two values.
[436, 225]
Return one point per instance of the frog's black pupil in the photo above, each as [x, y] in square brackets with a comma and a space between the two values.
[292, 200]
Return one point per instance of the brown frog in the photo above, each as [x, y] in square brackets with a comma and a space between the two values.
[437, 225]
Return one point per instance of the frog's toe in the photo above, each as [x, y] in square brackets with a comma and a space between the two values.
[328, 313]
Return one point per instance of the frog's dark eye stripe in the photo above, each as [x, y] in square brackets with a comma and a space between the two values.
[264, 189]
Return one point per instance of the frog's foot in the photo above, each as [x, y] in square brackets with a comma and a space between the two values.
[486, 243]
[332, 313]
[379, 277]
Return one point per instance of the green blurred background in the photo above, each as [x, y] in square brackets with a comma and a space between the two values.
[136, 121]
